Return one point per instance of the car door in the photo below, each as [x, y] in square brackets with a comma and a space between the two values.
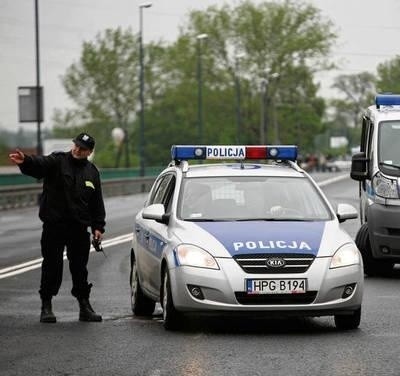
[154, 237]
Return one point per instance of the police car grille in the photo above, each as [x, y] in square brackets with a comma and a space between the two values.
[256, 263]
[275, 299]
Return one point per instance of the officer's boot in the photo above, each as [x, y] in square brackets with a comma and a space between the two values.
[86, 312]
[47, 315]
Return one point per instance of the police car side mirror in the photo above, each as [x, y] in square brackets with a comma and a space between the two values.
[345, 212]
[155, 212]
[359, 169]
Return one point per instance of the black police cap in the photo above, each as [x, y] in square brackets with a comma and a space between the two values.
[84, 140]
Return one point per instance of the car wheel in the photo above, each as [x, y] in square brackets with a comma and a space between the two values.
[371, 266]
[141, 304]
[172, 317]
[348, 322]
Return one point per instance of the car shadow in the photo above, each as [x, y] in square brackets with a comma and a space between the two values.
[392, 274]
[252, 325]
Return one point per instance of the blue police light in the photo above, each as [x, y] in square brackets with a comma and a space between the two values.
[274, 152]
[285, 153]
[387, 100]
[185, 152]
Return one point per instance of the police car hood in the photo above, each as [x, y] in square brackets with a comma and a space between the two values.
[225, 239]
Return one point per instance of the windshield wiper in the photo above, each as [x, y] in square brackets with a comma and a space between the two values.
[389, 165]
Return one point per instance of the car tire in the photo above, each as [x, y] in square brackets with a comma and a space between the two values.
[141, 304]
[348, 322]
[372, 267]
[172, 317]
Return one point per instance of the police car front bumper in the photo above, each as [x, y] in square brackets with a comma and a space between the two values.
[224, 290]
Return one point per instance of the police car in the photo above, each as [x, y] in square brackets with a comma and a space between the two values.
[243, 237]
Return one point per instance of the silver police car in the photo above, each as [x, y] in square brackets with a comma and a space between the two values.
[243, 237]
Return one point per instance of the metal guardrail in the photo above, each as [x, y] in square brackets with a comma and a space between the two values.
[22, 196]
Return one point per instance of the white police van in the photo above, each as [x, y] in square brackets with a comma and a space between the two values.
[242, 237]
[377, 168]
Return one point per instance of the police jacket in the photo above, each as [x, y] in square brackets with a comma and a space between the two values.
[71, 189]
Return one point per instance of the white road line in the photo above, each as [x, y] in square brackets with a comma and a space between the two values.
[333, 180]
[36, 263]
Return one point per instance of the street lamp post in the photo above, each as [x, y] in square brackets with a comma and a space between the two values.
[199, 38]
[118, 136]
[263, 117]
[39, 115]
[141, 89]
[238, 99]
[264, 99]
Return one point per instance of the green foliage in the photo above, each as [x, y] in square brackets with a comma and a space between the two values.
[287, 40]
[389, 76]
[357, 91]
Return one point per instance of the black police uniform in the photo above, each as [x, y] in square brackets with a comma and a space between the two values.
[71, 202]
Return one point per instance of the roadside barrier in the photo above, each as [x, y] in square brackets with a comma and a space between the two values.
[22, 196]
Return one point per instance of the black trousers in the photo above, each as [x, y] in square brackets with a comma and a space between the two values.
[55, 237]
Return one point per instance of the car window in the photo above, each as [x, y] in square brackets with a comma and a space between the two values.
[163, 191]
[154, 190]
[160, 190]
[251, 198]
[169, 194]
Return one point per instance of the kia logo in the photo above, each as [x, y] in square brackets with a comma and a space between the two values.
[275, 262]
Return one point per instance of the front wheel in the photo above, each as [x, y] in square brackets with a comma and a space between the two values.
[348, 322]
[172, 317]
[141, 304]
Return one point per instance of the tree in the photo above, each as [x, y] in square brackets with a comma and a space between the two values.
[103, 84]
[287, 38]
[358, 91]
[389, 76]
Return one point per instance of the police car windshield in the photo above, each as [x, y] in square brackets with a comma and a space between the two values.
[250, 198]
[388, 150]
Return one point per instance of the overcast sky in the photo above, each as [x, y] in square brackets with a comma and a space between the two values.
[369, 33]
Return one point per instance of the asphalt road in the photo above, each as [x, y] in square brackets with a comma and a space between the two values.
[125, 345]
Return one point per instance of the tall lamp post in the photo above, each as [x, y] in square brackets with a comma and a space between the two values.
[39, 107]
[141, 90]
[263, 114]
[238, 99]
[118, 136]
[200, 38]
[264, 99]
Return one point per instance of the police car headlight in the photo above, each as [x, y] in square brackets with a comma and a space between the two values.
[345, 256]
[191, 255]
[384, 187]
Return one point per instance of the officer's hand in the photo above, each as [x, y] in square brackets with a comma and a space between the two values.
[97, 235]
[17, 157]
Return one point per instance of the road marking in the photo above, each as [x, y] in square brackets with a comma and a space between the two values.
[333, 180]
[37, 263]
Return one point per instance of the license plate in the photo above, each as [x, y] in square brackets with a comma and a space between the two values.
[276, 286]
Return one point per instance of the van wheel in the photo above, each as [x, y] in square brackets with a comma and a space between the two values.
[348, 322]
[372, 267]
[141, 304]
[172, 317]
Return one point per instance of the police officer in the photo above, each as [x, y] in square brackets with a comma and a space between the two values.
[71, 202]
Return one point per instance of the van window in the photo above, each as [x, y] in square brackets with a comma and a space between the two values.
[388, 147]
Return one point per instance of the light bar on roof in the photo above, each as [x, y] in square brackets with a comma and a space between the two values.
[387, 100]
[273, 152]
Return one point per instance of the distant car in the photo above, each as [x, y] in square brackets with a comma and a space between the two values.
[338, 165]
[240, 237]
